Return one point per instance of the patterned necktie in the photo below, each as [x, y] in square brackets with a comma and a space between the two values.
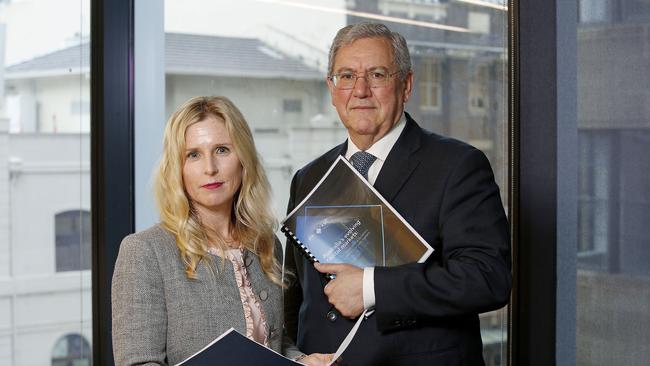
[362, 161]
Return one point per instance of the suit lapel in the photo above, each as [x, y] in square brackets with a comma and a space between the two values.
[401, 161]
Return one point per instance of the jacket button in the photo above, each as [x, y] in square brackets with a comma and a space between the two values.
[331, 316]
[264, 295]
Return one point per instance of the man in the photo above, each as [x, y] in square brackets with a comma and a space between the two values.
[425, 313]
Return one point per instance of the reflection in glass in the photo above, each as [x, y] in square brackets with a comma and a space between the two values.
[613, 248]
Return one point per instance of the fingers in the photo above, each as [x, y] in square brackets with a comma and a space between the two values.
[328, 288]
[317, 359]
[332, 268]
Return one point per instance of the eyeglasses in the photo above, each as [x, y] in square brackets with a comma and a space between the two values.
[376, 78]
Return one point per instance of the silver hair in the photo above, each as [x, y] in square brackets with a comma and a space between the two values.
[354, 32]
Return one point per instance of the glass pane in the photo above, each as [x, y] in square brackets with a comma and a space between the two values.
[45, 287]
[270, 59]
[613, 249]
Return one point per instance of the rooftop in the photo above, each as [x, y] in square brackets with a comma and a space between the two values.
[187, 54]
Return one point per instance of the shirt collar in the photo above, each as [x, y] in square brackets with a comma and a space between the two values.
[381, 148]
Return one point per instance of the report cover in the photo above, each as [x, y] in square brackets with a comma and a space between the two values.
[233, 348]
[345, 220]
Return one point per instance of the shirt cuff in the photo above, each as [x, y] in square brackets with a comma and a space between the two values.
[368, 288]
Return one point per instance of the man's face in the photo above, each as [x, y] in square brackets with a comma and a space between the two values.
[369, 113]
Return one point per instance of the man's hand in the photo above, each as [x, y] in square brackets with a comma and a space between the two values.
[345, 292]
[316, 359]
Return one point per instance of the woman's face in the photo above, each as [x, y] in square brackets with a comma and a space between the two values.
[212, 172]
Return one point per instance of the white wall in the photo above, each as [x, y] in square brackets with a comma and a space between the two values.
[260, 100]
[55, 97]
[47, 174]
[52, 176]
[4, 201]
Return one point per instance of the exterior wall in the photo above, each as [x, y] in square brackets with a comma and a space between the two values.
[54, 98]
[622, 62]
[260, 100]
[46, 309]
[43, 185]
[612, 326]
[486, 130]
[624, 117]
[614, 105]
[45, 174]
[5, 247]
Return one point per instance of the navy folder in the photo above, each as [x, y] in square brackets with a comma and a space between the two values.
[233, 348]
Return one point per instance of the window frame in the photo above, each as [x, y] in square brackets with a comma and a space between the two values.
[428, 64]
[543, 211]
[81, 247]
[112, 157]
[478, 87]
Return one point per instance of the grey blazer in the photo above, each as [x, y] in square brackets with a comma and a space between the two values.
[161, 317]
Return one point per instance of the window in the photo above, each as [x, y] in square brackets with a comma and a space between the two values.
[71, 350]
[594, 195]
[428, 10]
[72, 241]
[292, 105]
[592, 11]
[45, 183]
[430, 85]
[478, 22]
[478, 93]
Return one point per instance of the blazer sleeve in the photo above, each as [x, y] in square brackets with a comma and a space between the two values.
[472, 273]
[138, 306]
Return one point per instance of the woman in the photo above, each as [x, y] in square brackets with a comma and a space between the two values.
[213, 261]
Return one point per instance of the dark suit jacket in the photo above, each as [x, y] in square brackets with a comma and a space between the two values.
[426, 313]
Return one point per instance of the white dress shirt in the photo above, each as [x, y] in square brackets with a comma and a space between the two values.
[380, 150]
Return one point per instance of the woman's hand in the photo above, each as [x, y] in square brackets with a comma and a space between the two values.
[316, 359]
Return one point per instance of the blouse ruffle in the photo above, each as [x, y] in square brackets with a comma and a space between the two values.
[256, 326]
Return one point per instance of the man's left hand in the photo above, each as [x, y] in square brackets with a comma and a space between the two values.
[345, 292]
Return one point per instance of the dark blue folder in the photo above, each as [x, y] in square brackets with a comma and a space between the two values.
[232, 348]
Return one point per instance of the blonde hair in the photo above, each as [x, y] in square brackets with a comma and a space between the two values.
[252, 219]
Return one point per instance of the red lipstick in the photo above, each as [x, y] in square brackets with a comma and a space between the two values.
[214, 185]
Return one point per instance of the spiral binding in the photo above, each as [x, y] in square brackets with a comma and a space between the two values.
[305, 251]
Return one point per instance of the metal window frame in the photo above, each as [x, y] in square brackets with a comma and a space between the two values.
[543, 151]
[112, 157]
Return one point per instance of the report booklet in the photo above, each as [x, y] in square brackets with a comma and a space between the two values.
[233, 348]
[345, 220]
